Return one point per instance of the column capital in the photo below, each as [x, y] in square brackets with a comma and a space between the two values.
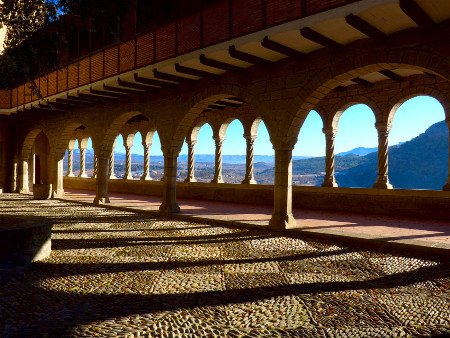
[383, 127]
[191, 143]
[330, 132]
[218, 139]
[251, 138]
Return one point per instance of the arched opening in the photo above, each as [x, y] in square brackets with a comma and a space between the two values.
[35, 162]
[264, 155]
[182, 164]
[418, 153]
[156, 158]
[234, 152]
[356, 147]
[137, 157]
[204, 154]
[308, 156]
[119, 157]
[76, 158]
[90, 155]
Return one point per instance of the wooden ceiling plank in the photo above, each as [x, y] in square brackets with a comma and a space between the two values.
[364, 27]
[280, 48]
[246, 57]
[318, 38]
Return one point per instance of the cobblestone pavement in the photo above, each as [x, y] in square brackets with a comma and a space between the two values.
[115, 273]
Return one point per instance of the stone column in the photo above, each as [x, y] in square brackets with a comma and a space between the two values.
[70, 163]
[250, 160]
[58, 179]
[191, 162]
[111, 165]
[383, 150]
[23, 181]
[101, 196]
[82, 163]
[15, 173]
[329, 179]
[169, 204]
[128, 175]
[282, 217]
[218, 161]
[146, 175]
[94, 174]
[447, 184]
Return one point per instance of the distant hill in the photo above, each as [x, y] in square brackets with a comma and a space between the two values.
[421, 163]
[360, 151]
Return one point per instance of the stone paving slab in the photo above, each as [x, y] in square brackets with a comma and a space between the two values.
[115, 273]
[431, 236]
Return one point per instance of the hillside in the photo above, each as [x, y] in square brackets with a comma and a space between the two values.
[421, 163]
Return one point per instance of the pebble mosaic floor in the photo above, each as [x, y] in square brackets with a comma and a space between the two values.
[121, 274]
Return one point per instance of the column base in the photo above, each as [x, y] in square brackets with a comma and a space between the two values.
[282, 221]
[383, 185]
[58, 193]
[70, 175]
[190, 180]
[24, 191]
[112, 177]
[101, 200]
[247, 181]
[84, 176]
[330, 183]
[217, 181]
[167, 209]
[447, 186]
[146, 178]
[128, 177]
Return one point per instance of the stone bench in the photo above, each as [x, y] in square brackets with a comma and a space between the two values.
[23, 241]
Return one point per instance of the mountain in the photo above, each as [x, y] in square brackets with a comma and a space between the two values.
[360, 151]
[421, 163]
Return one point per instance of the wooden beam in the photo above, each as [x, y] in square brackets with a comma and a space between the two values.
[229, 104]
[169, 77]
[136, 86]
[123, 90]
[96, 98]
[219, 64]
[216, 106]
[61, 106]
[417, 14]
[246, 57]
[318, 38]
[280, 48]
[109, 94]
[73, 103]
[363, 82]
[82, 99]
[153, 82]
[390, 74]
[194, 72]
[365, 27]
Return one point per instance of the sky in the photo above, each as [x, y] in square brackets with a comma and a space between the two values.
[356, 129]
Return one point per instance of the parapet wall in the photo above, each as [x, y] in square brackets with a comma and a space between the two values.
[406, 203]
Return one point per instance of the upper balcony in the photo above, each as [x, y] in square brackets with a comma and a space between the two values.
[225, 35]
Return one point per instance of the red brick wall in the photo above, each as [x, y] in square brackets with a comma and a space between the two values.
[165, 42]
[62, 80]
[111, 61]
[5, 99]
[97, 66]
[278, 11]
[127, 56]
[216, 23]
[145, 49]
[51, 83]
[246, 16]
[189, 37]
[73, 75]
[85, 71]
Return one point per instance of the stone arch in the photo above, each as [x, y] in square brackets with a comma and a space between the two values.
[332, 120]
[373, 60]
[222, 130]
[397, 101]
[193, 132]
[114, 129]
[66, 138]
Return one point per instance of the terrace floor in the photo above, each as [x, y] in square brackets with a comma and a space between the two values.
[123, 273]
[384, 230]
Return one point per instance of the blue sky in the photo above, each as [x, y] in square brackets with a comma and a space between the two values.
[356, 129]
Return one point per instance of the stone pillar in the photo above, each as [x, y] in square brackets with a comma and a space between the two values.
[383, 150]
[94, 174]
[250, 161]
[282, 217]
[146, 175]
[128, 175]
[169, 204]
[23, 181]
[329, 179]
[70, 163]
[82, 163]
[58, 179]
[101, 196]
[218, 161]
[447, 184]
[111, 165]
[191, 162]
[15, 173]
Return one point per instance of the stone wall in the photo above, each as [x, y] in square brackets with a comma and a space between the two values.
[408, 203]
